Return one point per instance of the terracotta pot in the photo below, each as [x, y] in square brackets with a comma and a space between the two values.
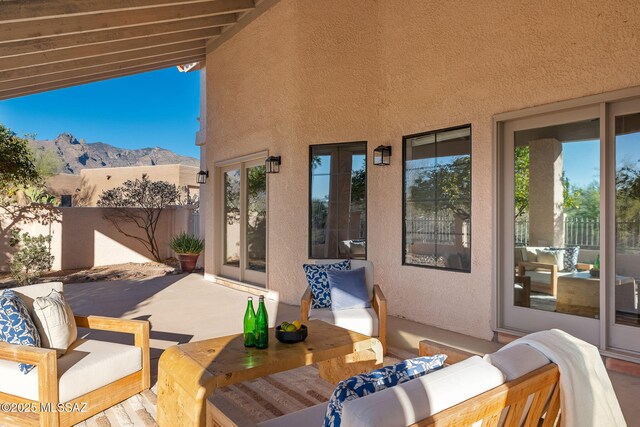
[188, 262]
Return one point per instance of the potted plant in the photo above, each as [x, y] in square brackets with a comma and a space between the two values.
[188, 247]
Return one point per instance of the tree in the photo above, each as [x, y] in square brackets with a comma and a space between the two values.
[32, 259]
[447, 184]
[17, 168]
[145, 199]
[521, 169]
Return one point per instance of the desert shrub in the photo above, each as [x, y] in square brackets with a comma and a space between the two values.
[33, 257]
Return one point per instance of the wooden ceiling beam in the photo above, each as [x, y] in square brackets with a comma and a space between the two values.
[26, 30]
[27, 81]
[58, 67]
[98, 50]
[30, 10]
[244, 19]
[13, 93]
[38, 46]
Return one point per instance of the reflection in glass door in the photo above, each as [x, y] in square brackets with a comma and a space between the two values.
[625, 323]
[552, 223]
[244, 216]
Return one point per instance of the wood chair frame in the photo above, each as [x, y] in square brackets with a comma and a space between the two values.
[29, 412]
[378, 302]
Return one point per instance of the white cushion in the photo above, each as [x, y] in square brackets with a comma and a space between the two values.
[422, 397]
[29, 293]
[361, 320]
[87, 366]
[356, 263]
[312, 416]
[55, 322]
[517, 361]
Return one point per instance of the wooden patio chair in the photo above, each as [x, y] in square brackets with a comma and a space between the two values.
[89, 378]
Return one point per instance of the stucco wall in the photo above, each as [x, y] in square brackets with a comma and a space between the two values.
[101, 179]
[310, 72]
[83, 238]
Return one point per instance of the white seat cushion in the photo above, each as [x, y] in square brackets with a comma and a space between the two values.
[87, 366]
[361, 320]
[312, 416]
[407, 403]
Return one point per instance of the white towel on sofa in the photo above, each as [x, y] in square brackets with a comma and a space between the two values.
[586, 394]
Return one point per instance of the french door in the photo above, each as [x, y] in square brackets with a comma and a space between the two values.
[622, 261]
[244, 222]
[543, 157]
[569, 221]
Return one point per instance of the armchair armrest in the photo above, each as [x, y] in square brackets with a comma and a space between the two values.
[379, 303]
[305, 305]
[523, 264]
[46, 360]
[138, 328]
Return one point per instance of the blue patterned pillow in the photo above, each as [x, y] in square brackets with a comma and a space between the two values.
[570, 258]
[16, 326]
[319, 283]
[380, 379]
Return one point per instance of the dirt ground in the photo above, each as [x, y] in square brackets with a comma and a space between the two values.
[128, 271]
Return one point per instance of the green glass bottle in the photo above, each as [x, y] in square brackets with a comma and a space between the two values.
[262, 325]
[250, 325]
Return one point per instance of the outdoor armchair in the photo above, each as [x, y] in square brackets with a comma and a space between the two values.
[367, 321]
[90, 377]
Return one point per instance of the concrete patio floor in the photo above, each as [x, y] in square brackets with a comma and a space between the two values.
[184, 308]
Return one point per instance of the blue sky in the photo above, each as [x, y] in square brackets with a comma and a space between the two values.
[581, 159]
[155, 109]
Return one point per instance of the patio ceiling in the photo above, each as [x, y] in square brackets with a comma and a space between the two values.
[51, 44]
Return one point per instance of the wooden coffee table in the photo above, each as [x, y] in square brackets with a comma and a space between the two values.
[189, 373]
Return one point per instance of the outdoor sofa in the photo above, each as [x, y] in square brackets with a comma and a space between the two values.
[515, 387]
[91, 376]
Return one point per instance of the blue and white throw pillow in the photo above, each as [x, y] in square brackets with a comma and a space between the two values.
[570, 258]
[16, 325]
[319, 283]
[380, 379]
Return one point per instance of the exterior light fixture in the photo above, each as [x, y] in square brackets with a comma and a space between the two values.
[272, 164]
[201, 177]
[382, 155]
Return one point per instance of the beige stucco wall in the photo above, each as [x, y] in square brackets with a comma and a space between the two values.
[310, 72]
[83, 238]
[101, 179]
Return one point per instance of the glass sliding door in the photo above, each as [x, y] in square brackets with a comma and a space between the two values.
[624, 321]
[244, 222]
[551, 214]
[255, 223]
[231, 217]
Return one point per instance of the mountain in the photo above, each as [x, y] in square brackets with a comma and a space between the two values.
[78, 154]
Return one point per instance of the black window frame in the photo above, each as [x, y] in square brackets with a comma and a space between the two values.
[404, 197]
[366, 192]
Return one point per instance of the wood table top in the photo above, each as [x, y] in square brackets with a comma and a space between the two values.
[228, 361]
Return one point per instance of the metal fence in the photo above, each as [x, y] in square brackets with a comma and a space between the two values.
[583, 232]
[437, 230]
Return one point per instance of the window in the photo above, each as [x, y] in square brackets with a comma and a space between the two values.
[437, 199]
[338, 201]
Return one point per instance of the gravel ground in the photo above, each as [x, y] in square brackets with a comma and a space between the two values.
[128, 271]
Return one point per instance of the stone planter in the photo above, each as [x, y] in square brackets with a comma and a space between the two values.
[188, 262]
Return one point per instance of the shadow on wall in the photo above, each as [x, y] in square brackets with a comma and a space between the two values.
[83, 238]
[41, 219]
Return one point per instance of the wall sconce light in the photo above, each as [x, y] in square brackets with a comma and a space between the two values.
[382, 155]
[201, 177]
[272, 164]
